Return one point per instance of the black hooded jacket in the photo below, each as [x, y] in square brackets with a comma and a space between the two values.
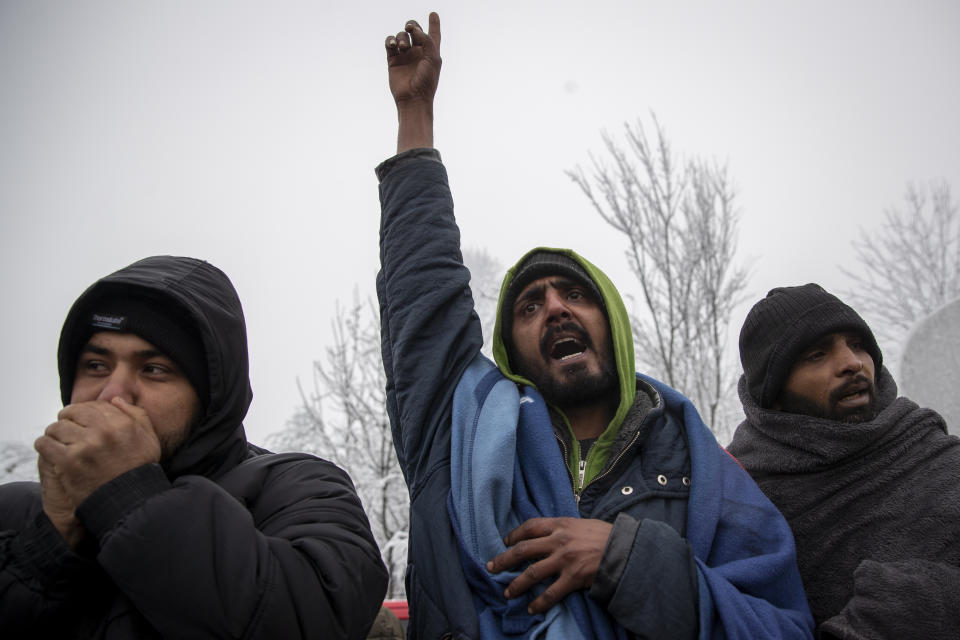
[225, 540]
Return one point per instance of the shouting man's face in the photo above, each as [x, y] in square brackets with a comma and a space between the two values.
[562, 344]
[833, 378]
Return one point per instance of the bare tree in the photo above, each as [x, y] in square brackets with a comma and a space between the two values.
[680, 223]
[343, 418]
[17, 462]
[910, 265]
[485, 277]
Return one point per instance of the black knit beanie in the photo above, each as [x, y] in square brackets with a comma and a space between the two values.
[780, 326]
[162, 323]
[541, 264]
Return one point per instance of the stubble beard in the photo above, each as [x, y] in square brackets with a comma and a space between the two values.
[171, 443]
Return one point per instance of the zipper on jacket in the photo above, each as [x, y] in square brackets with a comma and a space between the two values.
[566, 456]
[611, 466]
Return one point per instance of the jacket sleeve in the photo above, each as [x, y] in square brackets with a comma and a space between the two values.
[648, 580]
[903, 599]
[429, 329]
[282, 549]
[749, 582]
[42, 580]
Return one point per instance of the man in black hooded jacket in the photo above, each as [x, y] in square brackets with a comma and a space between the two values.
[869, 482]
[154, 517]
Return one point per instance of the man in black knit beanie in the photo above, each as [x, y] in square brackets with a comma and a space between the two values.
[153, 517]
[869, 482]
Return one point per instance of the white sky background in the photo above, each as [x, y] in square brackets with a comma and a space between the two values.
[246, 133]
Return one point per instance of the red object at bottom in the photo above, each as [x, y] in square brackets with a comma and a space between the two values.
[399, 608]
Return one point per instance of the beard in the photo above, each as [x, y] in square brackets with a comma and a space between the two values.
[171, 443]
[575, 385]
[795, 403]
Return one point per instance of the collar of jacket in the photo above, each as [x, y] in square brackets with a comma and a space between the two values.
[646, 406]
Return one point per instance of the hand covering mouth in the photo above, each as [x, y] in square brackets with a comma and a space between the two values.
[564, 342]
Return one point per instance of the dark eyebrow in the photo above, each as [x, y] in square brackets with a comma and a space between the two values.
[92, 348]
[822, 342]
[144, 354]
[565, 284]
[557, 282]
[530, 293]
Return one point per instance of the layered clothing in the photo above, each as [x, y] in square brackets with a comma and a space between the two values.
[224, 539]
[724, 566]
[875, 510]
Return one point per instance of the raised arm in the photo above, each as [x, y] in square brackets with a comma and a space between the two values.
[413, 65]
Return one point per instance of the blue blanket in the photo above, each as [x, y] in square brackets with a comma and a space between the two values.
[492, 493]
[749, 586]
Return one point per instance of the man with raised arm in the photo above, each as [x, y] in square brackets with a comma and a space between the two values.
[154, 517]
[557, 494]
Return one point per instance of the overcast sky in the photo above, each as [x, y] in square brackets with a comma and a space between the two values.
[246, 133]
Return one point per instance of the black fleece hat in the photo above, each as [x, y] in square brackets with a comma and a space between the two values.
[162, 323]
[780, 326]
[541, 264]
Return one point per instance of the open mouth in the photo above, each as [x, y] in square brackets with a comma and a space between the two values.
[854, 393]
[852, 396]
[564, 342]
[566, 348]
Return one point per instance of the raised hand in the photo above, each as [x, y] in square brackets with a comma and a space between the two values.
[568, 548]
[413, 61]
[413, 65]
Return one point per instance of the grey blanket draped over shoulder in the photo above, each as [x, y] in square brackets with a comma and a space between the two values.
[875, 509]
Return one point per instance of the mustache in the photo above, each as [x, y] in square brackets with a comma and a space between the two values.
[566, 327]
[859, 382]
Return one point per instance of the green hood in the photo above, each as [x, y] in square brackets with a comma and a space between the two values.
[622, 339]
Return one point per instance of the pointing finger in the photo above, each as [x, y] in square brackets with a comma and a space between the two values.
[433, 28]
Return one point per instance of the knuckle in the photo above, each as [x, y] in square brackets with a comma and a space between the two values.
[502, 562]
[81, 453]
[40, 446]
[532, 572]
[550, 596]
